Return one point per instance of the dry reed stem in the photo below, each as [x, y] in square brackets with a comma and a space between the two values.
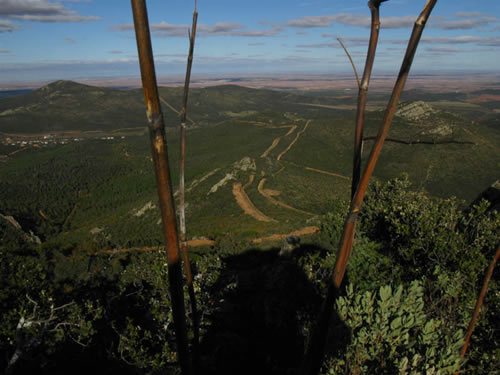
[163, 179]
[351, 61]
[362, 93]
[479, 303]
[182, 204]
[316, 347]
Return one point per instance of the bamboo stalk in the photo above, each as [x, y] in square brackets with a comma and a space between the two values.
[316, 347]
[163, 179]
[479, 303]
[374, 6]
[182, 205]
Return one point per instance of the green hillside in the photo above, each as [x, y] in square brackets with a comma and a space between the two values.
[300, 149]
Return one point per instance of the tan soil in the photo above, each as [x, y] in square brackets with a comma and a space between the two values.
[266, 124]
[279, 237]
[292, 129]
[268, 194]
[342, 106]
[40, 212]
[197, 243]
[295, 140]
[272, 193]
[277, 140]
[270, 148]
[251, 179]
[328, 173]
[246, 204]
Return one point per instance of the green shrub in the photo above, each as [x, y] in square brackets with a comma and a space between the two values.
[421, 232]
[391, 333]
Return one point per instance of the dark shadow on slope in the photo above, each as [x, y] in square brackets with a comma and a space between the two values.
[265, 305]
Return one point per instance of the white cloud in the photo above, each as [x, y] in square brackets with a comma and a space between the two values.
[349, 19]
[464, 39]
[444, 49]
[362, 41]
[164, 29]
[7, 26]
[41, 11]
[465, 21]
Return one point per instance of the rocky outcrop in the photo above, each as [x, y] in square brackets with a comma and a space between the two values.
[27, 236]
[244, 165]
[441, 130]
[415, 111]
[148, 206]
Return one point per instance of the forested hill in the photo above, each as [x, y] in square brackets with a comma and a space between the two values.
[66, 105]
[71, 106]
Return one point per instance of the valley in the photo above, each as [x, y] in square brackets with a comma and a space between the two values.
[258, 164]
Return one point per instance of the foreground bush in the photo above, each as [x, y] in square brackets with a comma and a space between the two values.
[77, 309]
[392, 334]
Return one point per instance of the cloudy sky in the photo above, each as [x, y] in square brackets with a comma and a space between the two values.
[64, 39]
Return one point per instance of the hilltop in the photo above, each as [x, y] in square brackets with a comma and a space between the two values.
[70, 106]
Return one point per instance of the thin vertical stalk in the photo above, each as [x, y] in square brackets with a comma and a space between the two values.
[182, 205]
[374, 6]
[479, 303]
[351, 61]
[315, 350]
[163, 179]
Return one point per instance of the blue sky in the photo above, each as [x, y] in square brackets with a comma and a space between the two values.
[56, 39]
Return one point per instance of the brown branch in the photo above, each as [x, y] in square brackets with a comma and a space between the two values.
[316, 347]
[479, 303]
[352, 62]
[163, 179]
[182, 204]
[362, 93]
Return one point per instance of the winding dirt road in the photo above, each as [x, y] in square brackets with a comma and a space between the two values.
[328, 173]
[278, 237]
[306, 231]
[246, 204]
[270, 148]
[269, 194]
[294, 141]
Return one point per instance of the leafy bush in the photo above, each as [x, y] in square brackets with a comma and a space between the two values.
[37, 320]
[406, 235]
[391, 333]
[421, 232]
